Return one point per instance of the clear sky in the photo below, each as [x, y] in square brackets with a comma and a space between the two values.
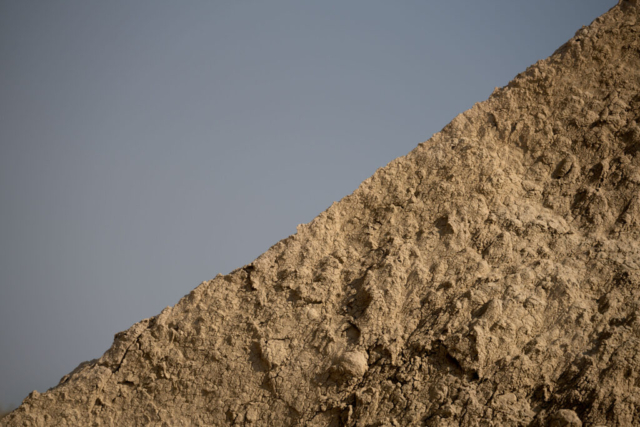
[146, 146]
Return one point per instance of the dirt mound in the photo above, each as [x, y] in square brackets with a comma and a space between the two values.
[489, 277]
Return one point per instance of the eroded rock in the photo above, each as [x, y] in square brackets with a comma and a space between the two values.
[490, 277]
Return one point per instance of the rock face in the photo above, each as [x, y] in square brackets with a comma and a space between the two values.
[488, 278]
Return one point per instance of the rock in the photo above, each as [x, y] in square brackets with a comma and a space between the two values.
[354, 363]
[565, 418]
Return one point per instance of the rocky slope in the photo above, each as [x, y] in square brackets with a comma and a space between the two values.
[489, 277]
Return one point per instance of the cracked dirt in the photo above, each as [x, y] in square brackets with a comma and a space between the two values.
[488, 278]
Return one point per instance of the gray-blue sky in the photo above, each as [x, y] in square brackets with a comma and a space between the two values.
[147, 146]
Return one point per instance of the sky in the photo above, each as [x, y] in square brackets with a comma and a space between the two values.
[147, 146]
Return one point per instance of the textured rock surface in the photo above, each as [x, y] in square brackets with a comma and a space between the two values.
[490, 277]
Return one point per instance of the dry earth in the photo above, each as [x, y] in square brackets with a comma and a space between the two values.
[488, 278]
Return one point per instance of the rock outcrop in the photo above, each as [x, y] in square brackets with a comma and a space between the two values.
[488, 278]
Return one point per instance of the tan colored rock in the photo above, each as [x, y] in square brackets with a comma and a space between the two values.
[354, 364]
[565, 418]
[489, 277]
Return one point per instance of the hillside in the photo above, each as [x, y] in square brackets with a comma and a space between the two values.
[489, 277]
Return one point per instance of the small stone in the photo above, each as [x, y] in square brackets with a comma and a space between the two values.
[565, 418]
[354, 363]
[312, 313]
